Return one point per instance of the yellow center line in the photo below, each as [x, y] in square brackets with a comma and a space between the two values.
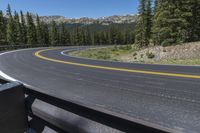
[38, 54]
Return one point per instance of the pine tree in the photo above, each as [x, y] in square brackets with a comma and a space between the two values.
[63, 34]
[127, 37]
[54, 33]
[17, 29]
[23, 28]
[113, 35]
[8, 11]
[68, 38]
[169, 23]
[132, 38]
[2, 29]
[83, 34]
[156, 5]
[44, 33]
[156, 23]
[120, 39]
[88, 39]
[193, 28]
[103, 38]
[78, 37]
[148, 21]
[143, 23]
[140, 25]
[197, 11]
[10, 36]
[97, 40]
[31, 30]
[108, 38]
[39, 30]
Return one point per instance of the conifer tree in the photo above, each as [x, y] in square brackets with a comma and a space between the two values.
[10, 36]
[156, 5]
[68, 38]
[54, 37]
[197, 11]
[39, 30]
[108, 38]
[132, 38]
[113, 35]
[143, 23]
[193, 19]
[44, 33]
[156, 23]
[148, 21]
[23, 28]
[83, 35]
[17, 29]
[169, 23]
[78, 36]
[8, 11]
[2, 29]
[63, 34]
[103, 38]
[97, 39]
[127, 37]
[140, 25]
[120, 39]
[31, 30]
[88, 39]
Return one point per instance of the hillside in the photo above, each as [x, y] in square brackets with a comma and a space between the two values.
[186, 54]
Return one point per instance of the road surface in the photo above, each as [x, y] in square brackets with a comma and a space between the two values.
[164, 96]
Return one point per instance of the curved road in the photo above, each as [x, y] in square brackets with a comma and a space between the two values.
[163, 96]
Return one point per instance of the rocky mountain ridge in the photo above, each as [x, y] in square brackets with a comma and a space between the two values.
[85, 20]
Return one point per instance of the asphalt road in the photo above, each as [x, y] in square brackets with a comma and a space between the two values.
[162, 95]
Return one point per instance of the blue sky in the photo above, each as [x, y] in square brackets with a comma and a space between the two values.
[74, 8]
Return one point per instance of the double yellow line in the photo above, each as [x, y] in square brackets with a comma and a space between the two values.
[38, 54]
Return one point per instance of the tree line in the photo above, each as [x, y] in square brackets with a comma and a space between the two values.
[18, 29]
[168, 22]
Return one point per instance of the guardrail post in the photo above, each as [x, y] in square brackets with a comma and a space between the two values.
[13, 117]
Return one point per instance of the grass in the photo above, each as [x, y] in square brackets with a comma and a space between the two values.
[111, 53]
[116, 53]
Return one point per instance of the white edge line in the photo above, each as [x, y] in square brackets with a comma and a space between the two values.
[7, 77]
[2, 74]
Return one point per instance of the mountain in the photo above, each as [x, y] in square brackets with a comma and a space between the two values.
[103, 20]
[115, 19]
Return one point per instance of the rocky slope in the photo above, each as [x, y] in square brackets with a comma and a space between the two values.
[186, 51]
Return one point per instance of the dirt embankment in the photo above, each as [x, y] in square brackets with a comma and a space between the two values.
[177, 52]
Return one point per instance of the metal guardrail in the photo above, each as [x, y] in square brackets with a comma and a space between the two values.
[91, 113]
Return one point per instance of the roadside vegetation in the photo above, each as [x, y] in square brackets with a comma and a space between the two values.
[111, 53]
[183, 54]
